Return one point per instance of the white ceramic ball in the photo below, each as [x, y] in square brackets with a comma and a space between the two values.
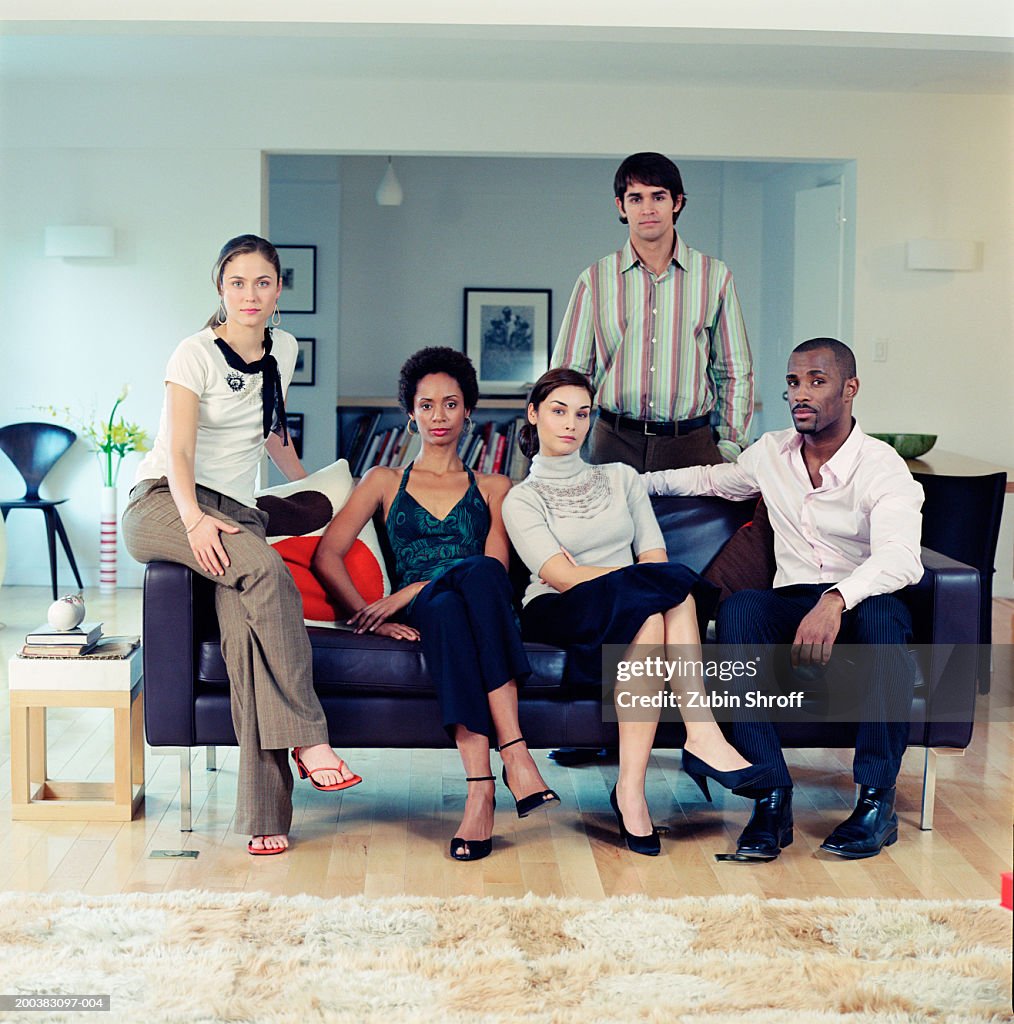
[66, 612]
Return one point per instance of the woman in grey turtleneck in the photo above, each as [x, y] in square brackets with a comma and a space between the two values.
[600, 576]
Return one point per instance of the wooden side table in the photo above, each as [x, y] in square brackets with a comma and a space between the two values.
[40, 683]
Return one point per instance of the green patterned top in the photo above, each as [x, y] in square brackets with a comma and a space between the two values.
[424, 546]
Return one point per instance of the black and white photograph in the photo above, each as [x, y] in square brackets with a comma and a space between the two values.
[507, 336]
[299, 278]
[294, 425]
[305, 373]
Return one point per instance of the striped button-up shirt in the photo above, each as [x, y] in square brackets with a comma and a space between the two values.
[667, 348]
[858, 532]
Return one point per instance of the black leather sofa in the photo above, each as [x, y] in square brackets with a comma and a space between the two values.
[376, 692]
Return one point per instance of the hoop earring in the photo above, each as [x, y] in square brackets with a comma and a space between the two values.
[412, 423]
[221, 316]
[276, 317]
[467, 426]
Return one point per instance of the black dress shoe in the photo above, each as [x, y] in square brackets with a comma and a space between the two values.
[868, 829]
[769, 829]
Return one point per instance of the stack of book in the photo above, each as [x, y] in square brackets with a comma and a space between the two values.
[47, 642]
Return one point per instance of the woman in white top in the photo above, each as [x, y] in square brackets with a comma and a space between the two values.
[578, 529]
[193, 503]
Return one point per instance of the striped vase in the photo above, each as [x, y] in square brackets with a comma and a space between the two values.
[107, 542]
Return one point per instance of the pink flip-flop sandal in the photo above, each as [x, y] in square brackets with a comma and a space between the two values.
[305, 773]
[264, 851]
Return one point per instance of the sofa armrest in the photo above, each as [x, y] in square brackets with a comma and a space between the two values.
[948, 598]
[945, 613]
[170, 668]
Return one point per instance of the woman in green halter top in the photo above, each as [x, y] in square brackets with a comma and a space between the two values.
[452, 594]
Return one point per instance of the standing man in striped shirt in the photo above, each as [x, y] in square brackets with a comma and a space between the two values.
[657, 328]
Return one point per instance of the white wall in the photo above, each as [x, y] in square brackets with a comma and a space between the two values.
[304, 198]
[777, 200]
[76, 330]
[178, 168]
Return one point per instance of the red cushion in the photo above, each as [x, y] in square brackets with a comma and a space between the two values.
[298, 552]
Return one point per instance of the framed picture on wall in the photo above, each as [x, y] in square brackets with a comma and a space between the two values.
[299, 278]
[306, 363]
[294, 425]
[507, 336]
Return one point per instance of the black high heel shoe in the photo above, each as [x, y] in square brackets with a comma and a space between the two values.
[700, 771]
[476, 848]
[534, 801]
[649, 845]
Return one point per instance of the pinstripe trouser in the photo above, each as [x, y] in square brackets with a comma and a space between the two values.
[264, 643]
[757, 617]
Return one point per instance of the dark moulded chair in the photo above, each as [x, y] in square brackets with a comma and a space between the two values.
[961, 519]
[35, 448]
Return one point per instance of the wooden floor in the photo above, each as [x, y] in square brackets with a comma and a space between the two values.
[390, 835]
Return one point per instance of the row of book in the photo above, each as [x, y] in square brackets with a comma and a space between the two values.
[79, 642]
[490, 448]
[493, 448]
[372, 445]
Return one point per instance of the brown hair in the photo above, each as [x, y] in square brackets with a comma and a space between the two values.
[650, 169]
[562, 377]
[241, 245]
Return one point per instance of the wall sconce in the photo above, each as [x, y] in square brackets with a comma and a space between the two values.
[76, 241]
[941, 254]
[389, 191]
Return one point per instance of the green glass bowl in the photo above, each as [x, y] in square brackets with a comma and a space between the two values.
[909, 446]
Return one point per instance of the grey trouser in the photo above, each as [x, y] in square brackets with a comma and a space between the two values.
[647, 454]
[264, 644]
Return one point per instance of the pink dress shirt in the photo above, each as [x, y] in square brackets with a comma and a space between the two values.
[859, 531]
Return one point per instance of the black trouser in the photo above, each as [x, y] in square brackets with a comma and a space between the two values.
[470, 639]
[754, 617]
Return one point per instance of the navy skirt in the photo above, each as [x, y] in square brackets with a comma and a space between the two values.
[611, 610]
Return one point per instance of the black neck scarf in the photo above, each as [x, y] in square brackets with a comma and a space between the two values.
[271, 393]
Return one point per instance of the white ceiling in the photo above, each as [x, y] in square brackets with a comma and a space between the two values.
[697, 58]
[925, 17]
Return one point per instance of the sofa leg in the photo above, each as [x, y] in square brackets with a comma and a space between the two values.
[929, 789]
[929, 782]
[210, 759]
[186, 805]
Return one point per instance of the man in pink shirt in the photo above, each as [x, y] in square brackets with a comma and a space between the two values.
[846, 518]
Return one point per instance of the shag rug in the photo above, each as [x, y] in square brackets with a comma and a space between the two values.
[199, 957]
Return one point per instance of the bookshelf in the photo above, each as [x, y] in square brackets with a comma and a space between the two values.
[361, 420]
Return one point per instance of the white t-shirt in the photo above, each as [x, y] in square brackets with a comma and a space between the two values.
[230, 419]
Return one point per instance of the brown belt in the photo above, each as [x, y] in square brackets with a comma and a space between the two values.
[654, 428]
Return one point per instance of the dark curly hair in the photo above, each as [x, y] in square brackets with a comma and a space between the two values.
[437, 359]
